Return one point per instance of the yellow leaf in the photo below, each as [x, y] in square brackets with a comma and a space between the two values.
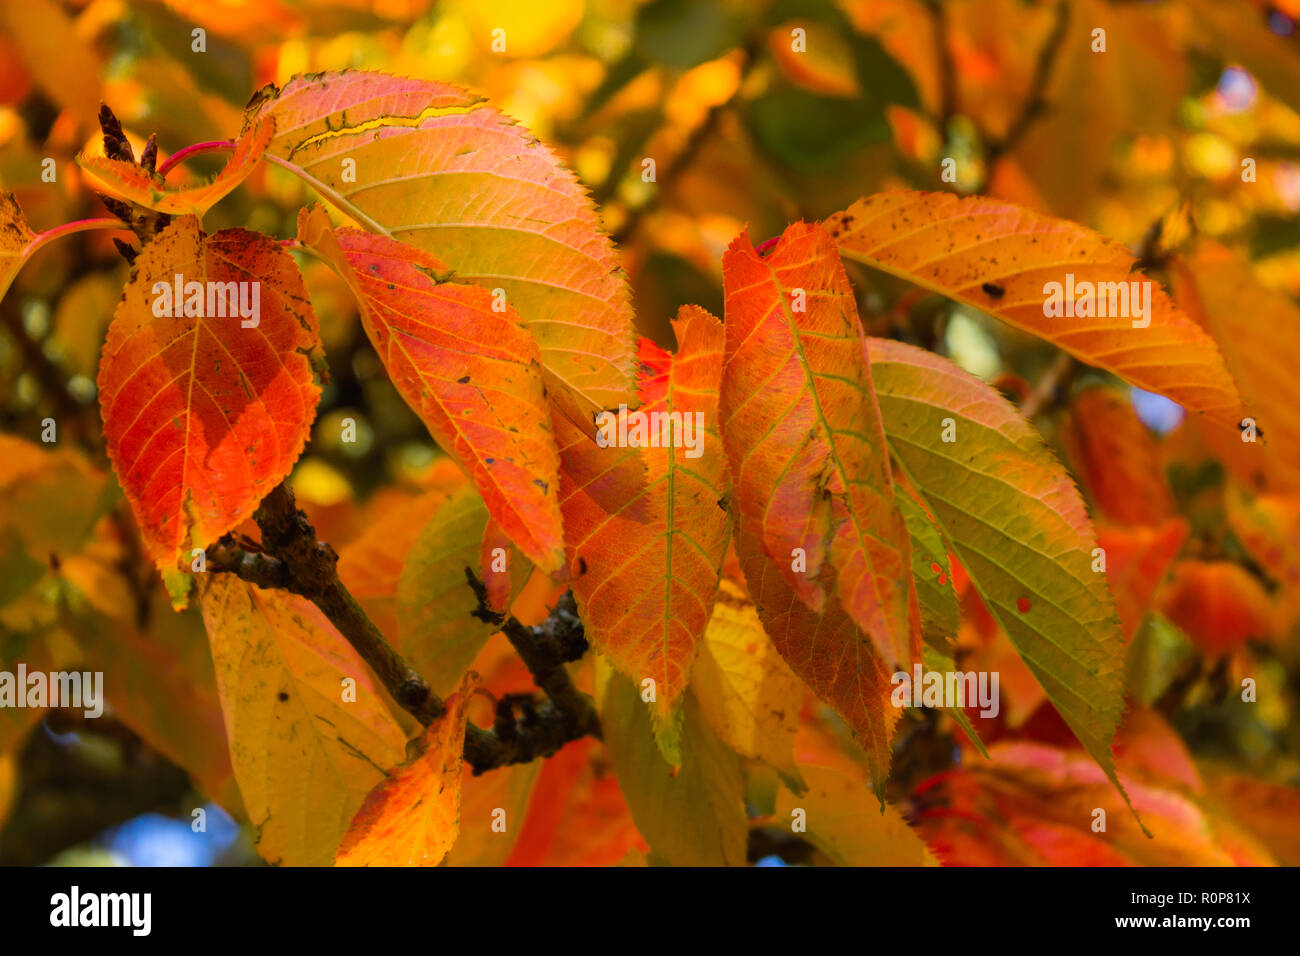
[847, 825]
[748, 694]
[304, 757]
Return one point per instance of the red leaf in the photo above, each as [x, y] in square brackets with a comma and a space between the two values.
[203, 415]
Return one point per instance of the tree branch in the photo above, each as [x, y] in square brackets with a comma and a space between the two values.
[1052, 387]
[292, 559]
[1036, 103]
[297, 562]
[947, 73]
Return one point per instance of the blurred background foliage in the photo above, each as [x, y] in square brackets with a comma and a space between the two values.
[754, 113]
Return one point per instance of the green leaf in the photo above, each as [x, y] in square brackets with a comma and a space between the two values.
[940, 615]
[439, 633]
[684, 33]
[1015, 521]
[696, 818]
[811, 133]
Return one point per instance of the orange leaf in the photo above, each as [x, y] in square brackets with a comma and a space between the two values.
[577, 816]
[435, 166]
[1116, 456]
[834, 658]
[136, 184]
[1257, 328]
[645, 574]
[803, 436]
[412, 817]
[1000, 258]
[1136, 562]
[472, 373]
[1034, 804]
[492, 548]
[204, 415]
[1219, 604]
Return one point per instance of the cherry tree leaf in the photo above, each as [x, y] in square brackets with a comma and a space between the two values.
[1249, 321]
[1116, 457]
[999, 257]
[205, 414]
[441, 625]
[470, 371]
[413, 816]
[803, 436]
[432, 165]
[746, 691]
[645, 574]
[133, 183]
[16, 238]
[837, 661]
[1015, 521]
[694, 816]
[310, 730]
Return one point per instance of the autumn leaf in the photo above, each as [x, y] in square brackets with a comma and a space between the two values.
[441, 626]
[16, 238]
[694, 817]
[747, 693]
[135, 184]
[469, 370]
[802, 432]
[1035, 805]
[832, 656]
[50, 497]
[1264, 808]
[932, 572]
[206, 414]
[483, 800]
[432, 165]
[644, 576]
[1220, 605]
[1000, 258]
[1249, 321]
[1137, 559]
[493, 560]
[370, 565]
[412, 817]
[1116, 457]
[850, 830]
[577, 816]
[1015, 522]
[309, 730]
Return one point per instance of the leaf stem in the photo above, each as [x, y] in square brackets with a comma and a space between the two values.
[195, 149]
[69, 228]
[330, 195]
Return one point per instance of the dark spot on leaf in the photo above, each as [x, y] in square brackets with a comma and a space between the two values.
[464, 380]
[993, 290]
[283, 696]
